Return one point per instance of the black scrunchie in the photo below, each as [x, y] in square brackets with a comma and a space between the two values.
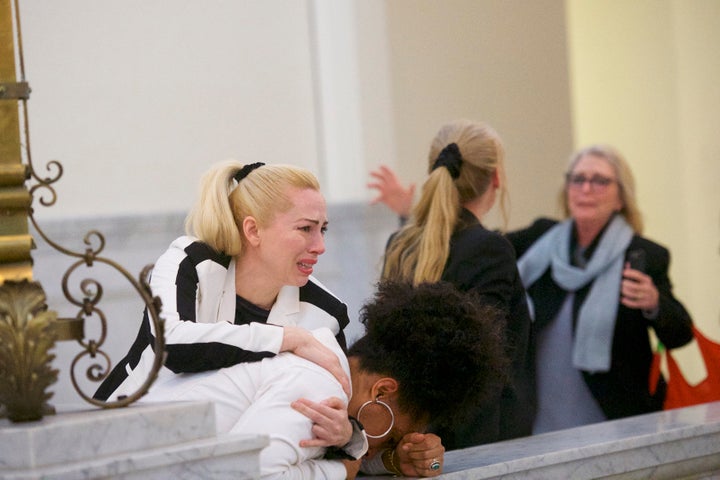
[244, 171]
[451, 159]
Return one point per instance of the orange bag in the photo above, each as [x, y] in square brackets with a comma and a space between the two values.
[679, 392]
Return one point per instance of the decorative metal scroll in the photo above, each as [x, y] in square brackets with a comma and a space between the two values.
[91, 289]
[26, 338]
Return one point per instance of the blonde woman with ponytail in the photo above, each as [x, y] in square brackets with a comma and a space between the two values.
[238, 288]
[443, 239]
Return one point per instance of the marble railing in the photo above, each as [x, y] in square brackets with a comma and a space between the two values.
[674, 444]
[178, 441]
[141, 442]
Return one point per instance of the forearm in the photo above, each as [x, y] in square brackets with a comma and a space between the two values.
[671, 322]
[358, 444]
[384, 463]
[672, 325]
[196, 337]
[196, 347]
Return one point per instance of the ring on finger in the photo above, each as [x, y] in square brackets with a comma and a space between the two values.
[434, 464]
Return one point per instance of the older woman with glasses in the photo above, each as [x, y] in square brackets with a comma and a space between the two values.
[594, 286]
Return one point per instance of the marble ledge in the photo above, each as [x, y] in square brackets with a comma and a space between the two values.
[143, 441]
[673, 444]
[175, 441]
[233, 457]
[96, 432]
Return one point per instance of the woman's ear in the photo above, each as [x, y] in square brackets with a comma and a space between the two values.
[385, 386]
[496, 178]
[250, 230]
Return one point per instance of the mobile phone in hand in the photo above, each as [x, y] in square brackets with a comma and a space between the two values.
[637, 259]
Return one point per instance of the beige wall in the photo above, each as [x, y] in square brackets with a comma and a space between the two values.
[137, 98]
[136, 101]
[503, 62]
[646, 78]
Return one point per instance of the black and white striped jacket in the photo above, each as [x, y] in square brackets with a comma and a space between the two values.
[196, 286]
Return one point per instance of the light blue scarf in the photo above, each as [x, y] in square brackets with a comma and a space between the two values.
[592, 346]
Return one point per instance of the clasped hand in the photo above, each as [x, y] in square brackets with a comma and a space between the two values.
[638, 290]
[416, 453]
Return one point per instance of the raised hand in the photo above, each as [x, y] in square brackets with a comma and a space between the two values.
[391, 192]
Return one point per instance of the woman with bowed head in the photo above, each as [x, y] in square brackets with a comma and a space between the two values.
[444, 240]
[429, 354]
[238, 288]
[596, 286]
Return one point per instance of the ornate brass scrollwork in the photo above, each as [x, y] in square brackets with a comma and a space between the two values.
[92, 292]
[28, 330]
[26, 337]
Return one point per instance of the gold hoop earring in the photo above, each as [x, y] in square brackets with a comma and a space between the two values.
[380, 402]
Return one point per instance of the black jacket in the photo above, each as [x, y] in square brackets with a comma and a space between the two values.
[623, 390]
[484, 261]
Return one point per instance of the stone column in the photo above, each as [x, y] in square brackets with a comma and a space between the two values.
[15, 241]
[27, 331]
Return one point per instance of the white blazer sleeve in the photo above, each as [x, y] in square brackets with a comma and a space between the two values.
[271, 413]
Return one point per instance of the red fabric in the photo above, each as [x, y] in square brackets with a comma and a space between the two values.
[679, 392]
[655, 370]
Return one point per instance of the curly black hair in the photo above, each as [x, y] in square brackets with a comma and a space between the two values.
[444, 347]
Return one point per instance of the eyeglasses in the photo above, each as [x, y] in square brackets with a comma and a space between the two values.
[597, 182]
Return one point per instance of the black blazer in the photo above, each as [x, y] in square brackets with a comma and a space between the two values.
[485, 262]
[623, 390]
